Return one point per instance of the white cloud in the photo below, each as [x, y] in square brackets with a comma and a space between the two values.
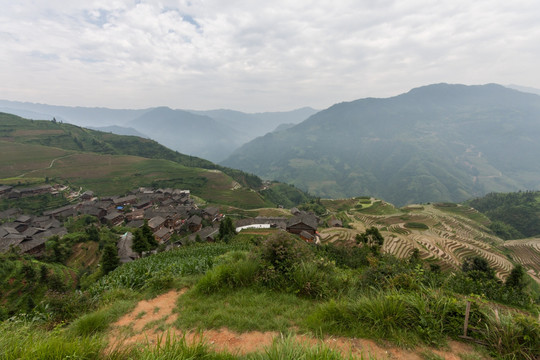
[255, 55]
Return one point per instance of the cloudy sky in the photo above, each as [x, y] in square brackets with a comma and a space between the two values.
[258, 55]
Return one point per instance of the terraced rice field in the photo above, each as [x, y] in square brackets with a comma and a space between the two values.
[527, 253]
[451, 238]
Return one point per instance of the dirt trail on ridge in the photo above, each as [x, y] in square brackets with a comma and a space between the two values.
[154, 319]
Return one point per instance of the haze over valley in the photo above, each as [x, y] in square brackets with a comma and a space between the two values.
[435, 143]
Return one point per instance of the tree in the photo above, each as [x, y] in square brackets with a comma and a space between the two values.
[371, 237]
[516, 279]
[149, 235]
[477, 265]
[140, 244]
[226, 229]
[109, 259]
[92, 233]
[43, 273]
[28, 271]
[58, 251]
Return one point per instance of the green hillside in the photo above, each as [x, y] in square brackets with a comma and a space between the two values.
[114, 164]
[435, 143]
[514, 215]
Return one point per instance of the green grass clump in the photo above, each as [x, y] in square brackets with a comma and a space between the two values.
[228, 276]
[288, 348]
[99, 321]
[513, 337]
[26, 341]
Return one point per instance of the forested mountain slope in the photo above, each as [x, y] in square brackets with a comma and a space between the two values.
[435, 143]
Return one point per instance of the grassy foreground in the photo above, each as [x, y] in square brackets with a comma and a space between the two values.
[284, 285]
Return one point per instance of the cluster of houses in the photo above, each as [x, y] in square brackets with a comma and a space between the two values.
[167, 211]
[28, 233]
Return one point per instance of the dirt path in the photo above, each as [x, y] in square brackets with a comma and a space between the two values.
[49, 167]
[152, 319]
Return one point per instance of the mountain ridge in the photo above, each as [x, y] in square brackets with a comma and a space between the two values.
[439, 142]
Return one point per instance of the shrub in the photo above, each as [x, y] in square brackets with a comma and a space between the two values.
[283, 251]
[309, 281]
[344, 256]
[513, 337]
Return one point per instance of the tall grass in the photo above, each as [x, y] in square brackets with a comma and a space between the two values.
[28, 342]
[99, 321]
[283, 348]
[513, 337]
[404, 318]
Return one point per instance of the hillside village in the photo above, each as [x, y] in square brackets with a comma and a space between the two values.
[172, 215]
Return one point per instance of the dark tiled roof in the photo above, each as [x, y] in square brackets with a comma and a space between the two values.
[307, 219]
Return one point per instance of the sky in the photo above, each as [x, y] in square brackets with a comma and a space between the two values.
[256, 55]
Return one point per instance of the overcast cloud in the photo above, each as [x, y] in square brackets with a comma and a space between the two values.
[258, 55]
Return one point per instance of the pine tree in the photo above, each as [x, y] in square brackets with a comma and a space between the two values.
[226, 229]
[140, 244]
[110, 259]
[149, 235]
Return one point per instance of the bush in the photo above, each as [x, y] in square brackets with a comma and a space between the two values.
[283, 251]
[344, 256]
[66, 306]
[310, 281]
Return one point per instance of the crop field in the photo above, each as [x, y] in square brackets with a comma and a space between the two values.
[117, 174]
[18, 159]
[191, 260]
[445, 237]
[339, 204]
[527, 253]
[464, 211]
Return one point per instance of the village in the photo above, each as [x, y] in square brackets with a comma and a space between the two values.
[171, 214]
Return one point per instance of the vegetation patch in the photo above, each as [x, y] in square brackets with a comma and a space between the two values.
[379, 208]
[416, 225]
[245, 309]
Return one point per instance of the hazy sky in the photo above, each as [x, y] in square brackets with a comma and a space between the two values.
[258, 55]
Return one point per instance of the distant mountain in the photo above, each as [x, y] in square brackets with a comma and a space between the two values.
[119, 130]
[435, 143]
[188, 133]
[526, 89]
[211, 134]
[82, 116]
[249, 126]
[30, 146]
[283, 127]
